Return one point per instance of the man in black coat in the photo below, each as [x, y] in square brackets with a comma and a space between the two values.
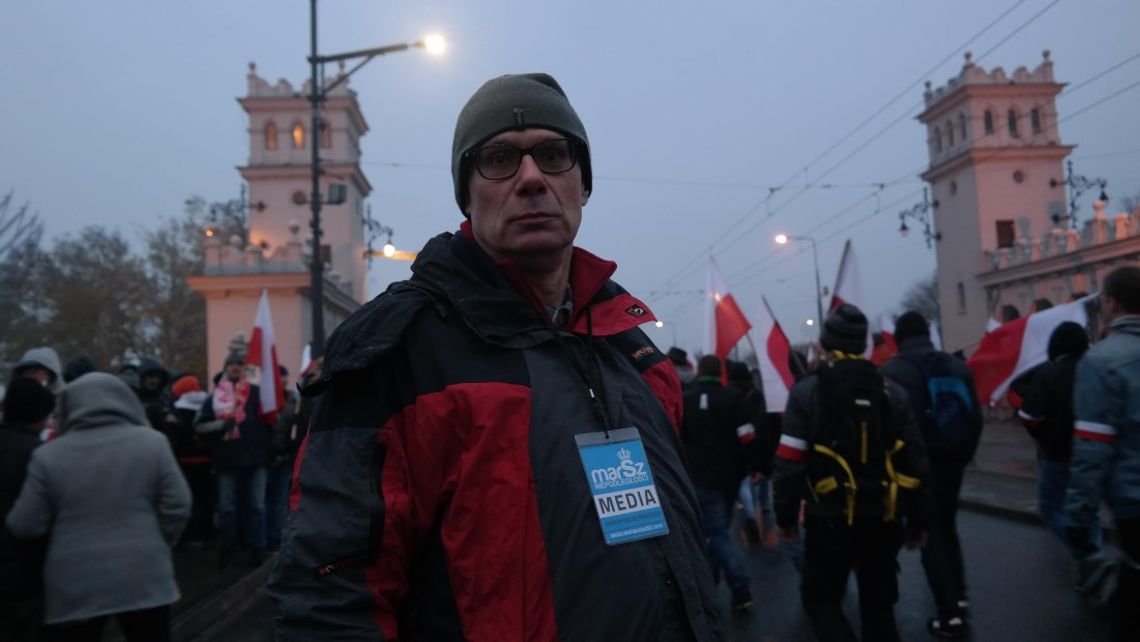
[27, 406]
[719, 438]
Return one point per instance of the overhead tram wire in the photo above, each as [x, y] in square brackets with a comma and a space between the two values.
[991, 152]
[878, 211]
[687, 268]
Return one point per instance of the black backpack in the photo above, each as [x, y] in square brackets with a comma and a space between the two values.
[850, 470]
[942, 405]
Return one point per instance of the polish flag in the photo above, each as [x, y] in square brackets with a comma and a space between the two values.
[773, 354]
[936, 335]
[1017, 346]
[725, 323]
[263, 354]
[849, 289]
[883, 353]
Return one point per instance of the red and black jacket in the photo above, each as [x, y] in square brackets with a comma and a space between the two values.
[439, 494]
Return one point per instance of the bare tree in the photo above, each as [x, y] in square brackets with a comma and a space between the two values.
[922, 297]
[1130, 203]
[176, 313]
[19, 226]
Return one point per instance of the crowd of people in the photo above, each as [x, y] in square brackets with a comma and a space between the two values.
[103, 476]
[494, 449]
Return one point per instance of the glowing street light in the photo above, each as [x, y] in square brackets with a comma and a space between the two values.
[782, 239]
[389, 250]
[659, 324]
[434, 44]
[810, 322]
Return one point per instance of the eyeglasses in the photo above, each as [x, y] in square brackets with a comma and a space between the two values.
[500, 162]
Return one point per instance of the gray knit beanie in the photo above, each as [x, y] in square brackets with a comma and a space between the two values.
[845, 330]
[514, 102]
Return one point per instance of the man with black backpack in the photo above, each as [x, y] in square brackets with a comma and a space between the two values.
[945, 403]
[851, 450]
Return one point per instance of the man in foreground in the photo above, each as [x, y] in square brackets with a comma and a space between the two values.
[495, 454]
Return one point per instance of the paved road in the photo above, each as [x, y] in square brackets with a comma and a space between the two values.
[1020, 590]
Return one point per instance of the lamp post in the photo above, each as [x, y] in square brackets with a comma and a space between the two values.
[317, 94]
[921, 212]
[1078, 185]
[783, 239]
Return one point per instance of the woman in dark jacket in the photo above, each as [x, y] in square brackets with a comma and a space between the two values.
[1047, 412]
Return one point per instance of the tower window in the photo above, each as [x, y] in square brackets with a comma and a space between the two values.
[950, 134]
[937, 140]
[961, 298]
[989, 124]
[1005, 234]
[298, 136]
[962, 126]
[1012, 117]
[1035, 121]
[270, 135]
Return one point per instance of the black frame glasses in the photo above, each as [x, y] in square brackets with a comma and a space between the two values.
[500, 161]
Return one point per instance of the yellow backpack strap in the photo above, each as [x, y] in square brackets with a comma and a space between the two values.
[896, 479]
[852, 487]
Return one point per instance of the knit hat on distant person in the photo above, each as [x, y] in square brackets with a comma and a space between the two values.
[738, 371]
[27, 401]
[1069, 337]
[678, 356]
[514, 102]
[234, 358]
[845, 330]
[911, 324]
[78, 367]
[186, 384]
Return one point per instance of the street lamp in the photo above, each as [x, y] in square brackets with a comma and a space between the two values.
[810, 322]
[433, 44]
[921, 212]
[782, 239]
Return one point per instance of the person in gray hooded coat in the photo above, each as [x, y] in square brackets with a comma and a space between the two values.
[109, 495]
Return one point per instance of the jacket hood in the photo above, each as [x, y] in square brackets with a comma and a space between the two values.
[45, 357]
[99, 399]
[150, 366]
[1068, 338]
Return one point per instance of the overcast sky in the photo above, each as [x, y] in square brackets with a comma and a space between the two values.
[115, 112]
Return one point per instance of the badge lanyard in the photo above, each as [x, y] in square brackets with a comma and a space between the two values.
[589, 372]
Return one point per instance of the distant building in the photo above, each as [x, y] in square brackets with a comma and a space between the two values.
[277, 255]
[998, 185]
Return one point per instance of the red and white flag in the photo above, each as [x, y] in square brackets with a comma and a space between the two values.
[849, 289]
[263, 354]
[725, 323]
[992, 324]
[889, 348]
[1017, 346]
[773, 353]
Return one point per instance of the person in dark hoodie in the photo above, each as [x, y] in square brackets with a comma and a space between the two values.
[27, 406]
[1047, 412]
[945, 403]
[108, 495]
[156, 402]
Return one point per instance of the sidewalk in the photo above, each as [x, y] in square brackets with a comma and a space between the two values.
[1002, 479]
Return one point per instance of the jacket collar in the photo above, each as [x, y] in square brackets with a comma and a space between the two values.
[496, 302]
[1127, 324]
[916, 343]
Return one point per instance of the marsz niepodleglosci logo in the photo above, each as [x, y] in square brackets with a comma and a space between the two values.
[626, 473]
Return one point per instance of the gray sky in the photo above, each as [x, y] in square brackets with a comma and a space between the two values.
[115, 112]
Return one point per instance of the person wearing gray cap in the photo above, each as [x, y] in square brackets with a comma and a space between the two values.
[494, 450]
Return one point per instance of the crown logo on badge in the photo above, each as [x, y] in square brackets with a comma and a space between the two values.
[624, 455]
